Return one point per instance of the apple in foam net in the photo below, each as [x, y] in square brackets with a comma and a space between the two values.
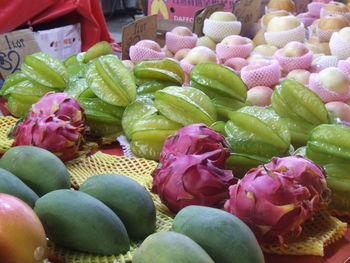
[265, 50]
[300, 75]
[294, 49]
[259, 63]
[259, 96]
[181, 31]
[282, 23]
[339, 109]
[200, 54]
[149, 44]
[234, 40]
[223, 16]
[334, 79]
[345, 33]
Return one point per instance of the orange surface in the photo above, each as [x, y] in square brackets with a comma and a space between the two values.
[339, 252]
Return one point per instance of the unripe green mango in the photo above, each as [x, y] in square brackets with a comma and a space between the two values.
[78, 221]
[38, 168]
[170, 247]
[128, 199]
[10, 184]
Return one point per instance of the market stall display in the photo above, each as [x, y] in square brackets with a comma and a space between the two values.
[241, 150]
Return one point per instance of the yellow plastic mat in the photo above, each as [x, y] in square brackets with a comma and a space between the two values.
[323, 230]
[316, 234]
[6, 124]
[137, 169]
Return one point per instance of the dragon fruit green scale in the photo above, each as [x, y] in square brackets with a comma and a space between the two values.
[276, 198]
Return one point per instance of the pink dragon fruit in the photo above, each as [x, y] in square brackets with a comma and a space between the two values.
[191, 179]
[53, 133]
[277, 198]
[58, 104]
[197, 139]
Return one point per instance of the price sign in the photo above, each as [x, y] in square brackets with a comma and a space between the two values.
[13, 47]
[201, 14]
[144, 28]
[248, 12]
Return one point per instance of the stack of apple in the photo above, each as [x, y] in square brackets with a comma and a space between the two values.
[288, 46]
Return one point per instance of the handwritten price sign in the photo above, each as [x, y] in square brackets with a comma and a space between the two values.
[248, 12]
[144, 28]
[13, 47]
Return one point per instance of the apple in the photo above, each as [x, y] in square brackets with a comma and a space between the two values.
[259, 96]
[300, 75]
[336, 7]
[287, 5]
[128, 63]
[294, 49]
[234, 40]
[332, 22]
[259, 63]
[200, 54]
[181, 31]
[206, 42]
[223, 16]
[255, 57]
[236, 63]
[334, 79]
[182, 53]
[149, 44]
[268, 16]
[339, 109]
[265, 50]
[167, 52]
[282, 23]
[345, 33]
[259, 38]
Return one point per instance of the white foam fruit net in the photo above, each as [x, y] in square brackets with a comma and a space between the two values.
[175, 42]
[326, 61]
[339, 46]
[324, 35]
[344, 66]
[125, 144]
[218, 30]
[282, 38]
[268, 75]
[291, 63]
[325, 94]
[225, 52]
[138, 53]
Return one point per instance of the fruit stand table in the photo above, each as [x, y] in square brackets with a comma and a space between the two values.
[338, 252]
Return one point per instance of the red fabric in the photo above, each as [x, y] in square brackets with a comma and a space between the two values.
[87, 12]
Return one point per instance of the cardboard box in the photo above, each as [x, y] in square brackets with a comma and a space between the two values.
[13, 47]
[182, 10]
[60, 42]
